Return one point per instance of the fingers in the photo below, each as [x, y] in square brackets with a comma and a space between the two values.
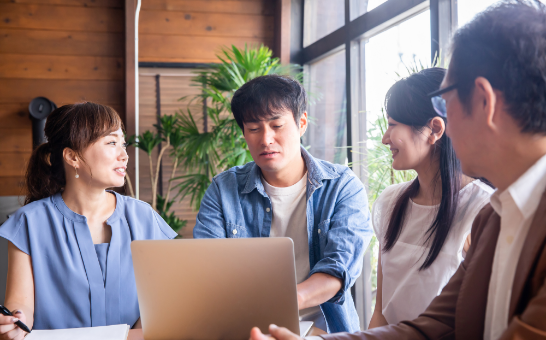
[281, 333]
[256, 334]
[7, 320]
[7, 324]
[14, 334]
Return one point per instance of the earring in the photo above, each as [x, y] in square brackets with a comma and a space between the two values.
[77, 176]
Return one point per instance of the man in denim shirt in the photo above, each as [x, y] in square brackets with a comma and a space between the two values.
[286, 192]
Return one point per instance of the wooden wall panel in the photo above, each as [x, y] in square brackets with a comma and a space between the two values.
[68, 18]
[16, 140]
[174, 48]
[14, 116]
[61, 91]
[77, 3]
[13, 164]
[206, 24]
[24, 66]
[65, 43]
[211, 6]
[190, 31]
[66, 50]
[174, 84]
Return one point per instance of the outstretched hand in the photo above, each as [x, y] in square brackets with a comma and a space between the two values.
[278, 333]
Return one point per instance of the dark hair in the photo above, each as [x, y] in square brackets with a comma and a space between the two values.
[506, 44]
[407, 102]
[73, 126]
[265, 96]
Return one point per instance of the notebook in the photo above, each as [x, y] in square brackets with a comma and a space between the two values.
[115, 332]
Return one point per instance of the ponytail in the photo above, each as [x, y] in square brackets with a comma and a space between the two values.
[41, 179]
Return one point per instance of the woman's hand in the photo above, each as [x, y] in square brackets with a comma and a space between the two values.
[8, 328]
[279, 333]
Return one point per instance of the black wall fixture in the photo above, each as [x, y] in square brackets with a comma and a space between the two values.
[39, 108]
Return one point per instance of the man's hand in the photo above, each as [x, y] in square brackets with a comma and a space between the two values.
[317, 289]
[279, 333]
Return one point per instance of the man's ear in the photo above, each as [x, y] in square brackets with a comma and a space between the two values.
[303, 123]
[438, 128]
[71, 158]
[484, 101]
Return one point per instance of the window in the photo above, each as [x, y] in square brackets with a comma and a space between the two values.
[359, 7]
[389, 55]
[322, 17]
[467, 9]
[327, 132]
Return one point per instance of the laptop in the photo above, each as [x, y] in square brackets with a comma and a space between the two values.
[215, 288]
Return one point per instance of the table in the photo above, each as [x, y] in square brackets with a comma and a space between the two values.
[136, 334]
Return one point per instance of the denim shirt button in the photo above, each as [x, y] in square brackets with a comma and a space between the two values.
[234, 231]
[319, 231]
[267, 209]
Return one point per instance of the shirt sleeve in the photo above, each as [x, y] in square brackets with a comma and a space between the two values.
[210, 221]
[162, 230]
[348, 237]
[15, 230]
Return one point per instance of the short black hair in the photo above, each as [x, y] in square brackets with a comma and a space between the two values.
[506, 44]
[265, 96]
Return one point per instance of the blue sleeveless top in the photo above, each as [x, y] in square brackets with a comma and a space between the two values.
[70, 290]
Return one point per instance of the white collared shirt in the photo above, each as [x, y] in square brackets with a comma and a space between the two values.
[516, 207]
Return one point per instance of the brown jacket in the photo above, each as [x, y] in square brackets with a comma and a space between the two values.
[459, 311]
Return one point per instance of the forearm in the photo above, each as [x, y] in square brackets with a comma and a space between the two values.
[317, 289]
[378, 320]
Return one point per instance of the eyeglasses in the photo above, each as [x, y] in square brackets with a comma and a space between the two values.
[439, 103]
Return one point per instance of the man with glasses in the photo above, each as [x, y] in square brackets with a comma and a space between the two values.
[494, 98]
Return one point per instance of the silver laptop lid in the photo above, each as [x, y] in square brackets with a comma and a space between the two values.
[215, 288]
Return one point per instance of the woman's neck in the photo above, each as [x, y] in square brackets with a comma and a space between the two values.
[430, 186]
[88, 202]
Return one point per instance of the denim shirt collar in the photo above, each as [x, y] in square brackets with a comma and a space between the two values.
[316, 173]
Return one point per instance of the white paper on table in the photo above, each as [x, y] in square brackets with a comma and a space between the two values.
[115, 332]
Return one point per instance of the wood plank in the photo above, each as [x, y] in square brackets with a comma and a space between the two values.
[129, 90]
[12, 186]
[15, 116]
[61, 18]
[260, 7]
[13, 164]
[16, 140]
[61, 43]
[60, 67]
[174, 48]
[206, 24]
[62, 92]
[77, 3]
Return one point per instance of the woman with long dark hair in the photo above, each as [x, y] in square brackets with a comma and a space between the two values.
[69, 252]
[423, 226]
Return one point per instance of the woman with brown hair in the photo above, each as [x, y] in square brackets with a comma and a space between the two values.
[70, 261]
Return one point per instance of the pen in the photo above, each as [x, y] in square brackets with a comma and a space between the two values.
[21, 325]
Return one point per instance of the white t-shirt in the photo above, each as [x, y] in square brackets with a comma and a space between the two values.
[289, 206]
[406, 291]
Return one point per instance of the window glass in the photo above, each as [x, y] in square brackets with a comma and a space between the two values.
[390, 54]
[326, 135]
[322, 17]
[467, 9]
[360, 7]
